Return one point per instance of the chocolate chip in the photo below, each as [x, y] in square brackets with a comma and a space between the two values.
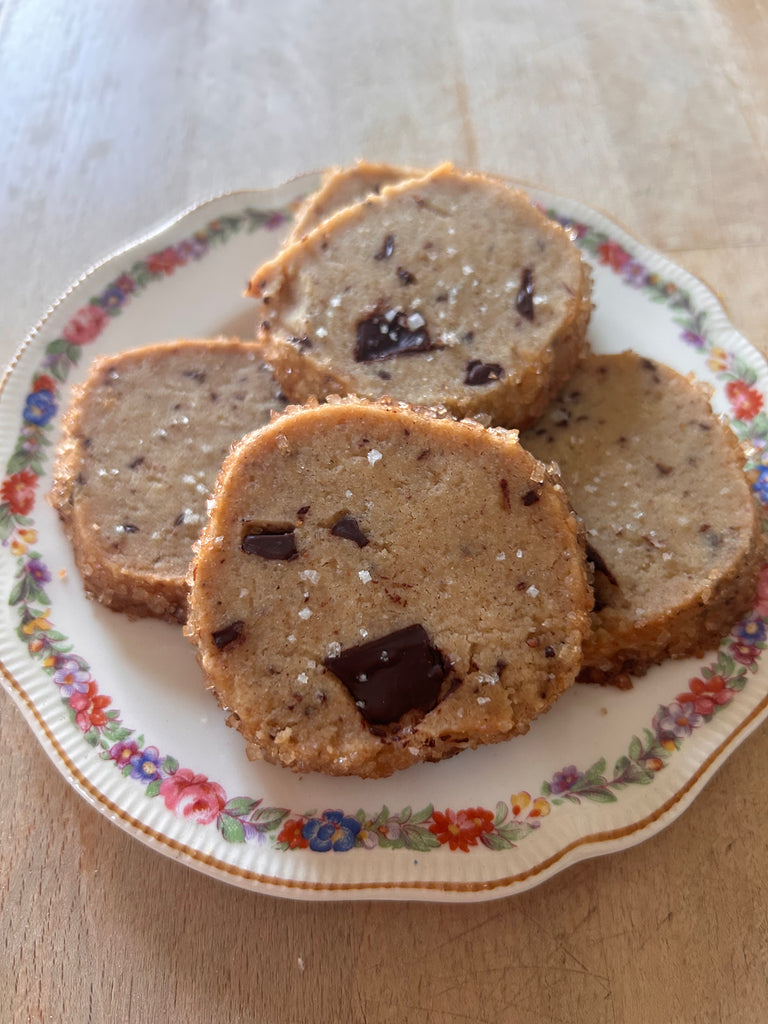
[597, 560]
[301, 512]
[383, 336]
[303, 343]
[663, 468]
[504, 485]
[482, 373]
[387, 248]
[549, 652]
[524, 300]
[392, 675]
[198, 375]
[228, 634]
[384, 375]
[179, 519]
[648, 364]
[275, 545]
[349, 529]
[129, 528]
[135, 463]
[530, 498]
[405, 276]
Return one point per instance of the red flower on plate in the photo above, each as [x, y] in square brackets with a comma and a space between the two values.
[461, 829]
[705, 695]
[761, 606]
[745, 653]
[85, 325]
[89, 708]
[19, 491]
[193, 796]
[745, 401]
[612, 254]
[290, 833]
[164, 262]
[44, 383]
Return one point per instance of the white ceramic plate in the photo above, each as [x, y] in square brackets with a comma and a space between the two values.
[119, 706]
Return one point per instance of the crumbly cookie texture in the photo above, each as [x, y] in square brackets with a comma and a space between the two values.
[672, 527]
[446, 290]
[377, 587]
[144, 438]
[343, 186]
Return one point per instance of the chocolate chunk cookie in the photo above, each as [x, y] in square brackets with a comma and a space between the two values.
[448, 290]
[377, 587]
[672, 529]
[144, 438]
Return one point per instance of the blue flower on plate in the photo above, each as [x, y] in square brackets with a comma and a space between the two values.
[332, 831]
[760, 485]
[39, 407]
[146, 764]
[753, 630]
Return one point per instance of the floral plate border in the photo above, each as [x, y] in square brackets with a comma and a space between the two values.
[200, 803]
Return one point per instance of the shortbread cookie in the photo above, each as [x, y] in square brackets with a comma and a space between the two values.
[342, 186]
[144, 439]
[672, 528]
[376, 587]
[448, 290]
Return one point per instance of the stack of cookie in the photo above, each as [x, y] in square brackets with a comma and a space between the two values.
[388, 571]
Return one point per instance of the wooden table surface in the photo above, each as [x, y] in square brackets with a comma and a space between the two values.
[112, 116]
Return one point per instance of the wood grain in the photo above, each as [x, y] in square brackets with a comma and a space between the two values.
[114, 116]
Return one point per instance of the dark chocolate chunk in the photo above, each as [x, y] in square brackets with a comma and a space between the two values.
[648, 364]
[504, 485]
[482, 373]
[349, 529]
[129, 528]
[179, 519]
[135, 463]
[663, 468]
[228, 634]
[275, 545]
[198, 375]
[549, 652]
[392, 675]
[406, 277]
[301, 512]
[524, 301]
[383, 336]
[387, 248]
[530, 498]
[597, 560]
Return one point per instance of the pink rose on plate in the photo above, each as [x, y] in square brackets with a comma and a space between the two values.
[193, 796]
[85, 325]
